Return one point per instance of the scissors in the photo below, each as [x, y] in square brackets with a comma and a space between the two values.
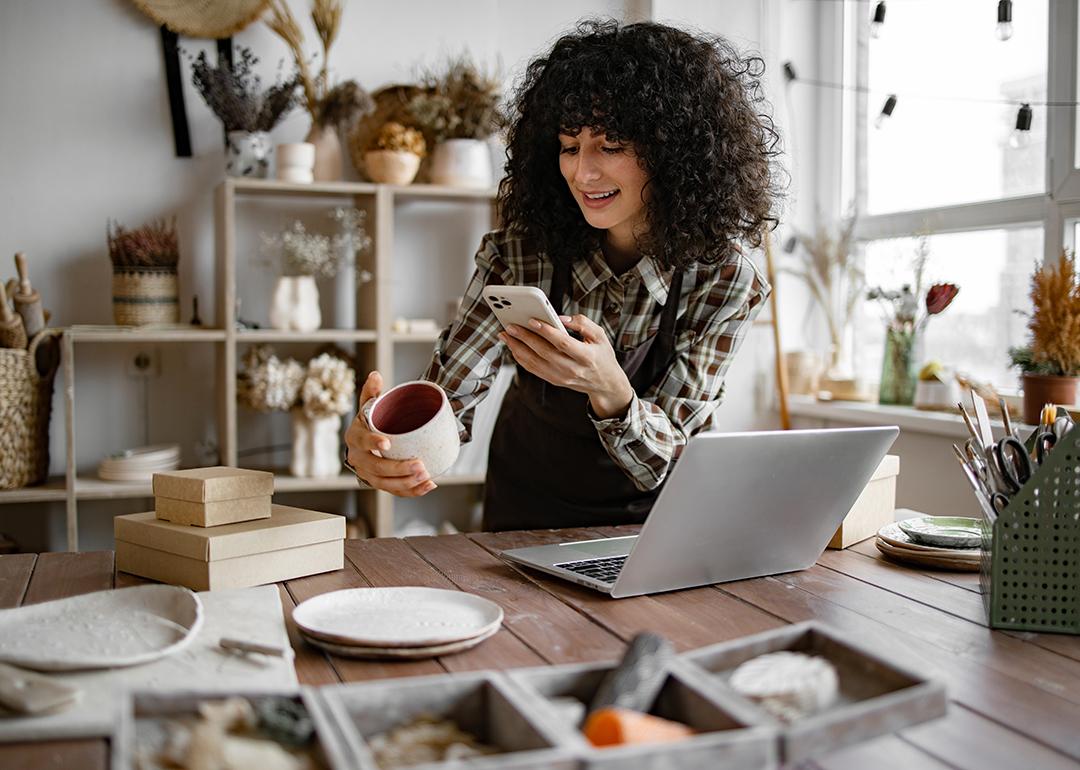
[1014, 462]
[975, 469]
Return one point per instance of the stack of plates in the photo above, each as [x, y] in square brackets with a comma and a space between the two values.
[141, 463]
[396, 623]
[943, 542]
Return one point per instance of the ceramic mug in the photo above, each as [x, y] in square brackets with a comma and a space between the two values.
[417, 418]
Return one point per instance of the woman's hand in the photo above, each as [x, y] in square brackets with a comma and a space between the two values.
[404, 478]
[588, 366]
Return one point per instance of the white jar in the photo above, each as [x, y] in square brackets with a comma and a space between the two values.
[296, 162]
[461, 163]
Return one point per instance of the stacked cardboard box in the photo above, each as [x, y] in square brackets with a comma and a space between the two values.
[216, 528]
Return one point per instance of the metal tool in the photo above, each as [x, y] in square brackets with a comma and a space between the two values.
[1014, 462]
[982, 418]
[994, 502]
[1006, 420]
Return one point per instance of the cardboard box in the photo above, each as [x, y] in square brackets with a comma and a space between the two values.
[208, 485]
[874, 507]
[212, 514]
[291, 543]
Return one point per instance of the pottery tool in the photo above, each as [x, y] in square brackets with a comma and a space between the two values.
[28, 301]
[12, 333]
[25, 692]
[1005, 419]
[239, 645]
[982, 418]
[639, 677]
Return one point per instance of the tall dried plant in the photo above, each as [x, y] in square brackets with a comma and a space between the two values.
[154, 245]
[458, 101]
[1055, 316]
[236, 96]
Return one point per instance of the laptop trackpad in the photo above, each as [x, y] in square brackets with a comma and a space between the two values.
[598, 549]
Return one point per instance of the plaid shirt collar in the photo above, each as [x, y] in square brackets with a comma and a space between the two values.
[593, 271]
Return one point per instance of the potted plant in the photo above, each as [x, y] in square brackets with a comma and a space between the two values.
[144, 283]
[394, 154]
[459, 108]
[236, 96]
[1050, 362]
[333, 108]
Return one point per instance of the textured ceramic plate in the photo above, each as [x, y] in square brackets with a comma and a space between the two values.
[943, 531]
[409, 616]
[924, 559]
[893, 535]
[397, 653]
[107, 629]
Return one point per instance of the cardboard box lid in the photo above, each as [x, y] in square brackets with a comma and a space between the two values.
[206, 485]
[286, 528]
[889, 466]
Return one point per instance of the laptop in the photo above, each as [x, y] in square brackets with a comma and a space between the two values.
[736, 506]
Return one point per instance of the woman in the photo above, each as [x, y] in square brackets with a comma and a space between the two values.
[637, 164]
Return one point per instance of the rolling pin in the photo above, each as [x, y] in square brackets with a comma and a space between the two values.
[28, 301]
[12, 333]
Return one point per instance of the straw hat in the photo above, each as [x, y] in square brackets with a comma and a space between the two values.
[203, 18]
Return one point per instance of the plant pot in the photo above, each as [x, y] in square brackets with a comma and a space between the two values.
[391, 166]
[328, 153]
[247, 153]
[296, 162]
[295, 304]
[316, 445]
[461, 163]
[145, 296]
[1040, 389]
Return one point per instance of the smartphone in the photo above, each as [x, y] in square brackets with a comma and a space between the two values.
[519, 305]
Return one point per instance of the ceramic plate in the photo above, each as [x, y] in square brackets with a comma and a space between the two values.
[397, 653]
[944, 531]
[106, 629]
[924, 559]
[893, 535]
[408, 616]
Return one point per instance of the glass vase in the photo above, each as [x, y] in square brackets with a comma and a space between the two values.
[900, 367]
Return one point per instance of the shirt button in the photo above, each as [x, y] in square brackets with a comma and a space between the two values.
[613, 307]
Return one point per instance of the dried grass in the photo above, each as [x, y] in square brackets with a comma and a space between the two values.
[154, 245]
[1055, 317]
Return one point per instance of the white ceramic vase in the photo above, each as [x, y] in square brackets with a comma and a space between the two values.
[295, 304]
[296, 162]
[316, 445]
[247, 153]
[461, 163]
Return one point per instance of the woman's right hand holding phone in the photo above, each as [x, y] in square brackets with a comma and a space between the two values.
[403, 478]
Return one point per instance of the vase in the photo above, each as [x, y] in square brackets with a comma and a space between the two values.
[391, 166]
[294, 305]
[899, 370]
[296, 162]
[316, 445]
[247, 153]
[1041, 389]
[461, 163]
[328, 153]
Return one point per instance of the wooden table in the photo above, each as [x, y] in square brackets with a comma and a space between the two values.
[1015, 698]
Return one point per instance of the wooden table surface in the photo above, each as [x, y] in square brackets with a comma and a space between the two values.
[1015, 697]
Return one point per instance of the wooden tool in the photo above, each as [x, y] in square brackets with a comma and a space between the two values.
[26, 692]
[28, 301]
[12, 333]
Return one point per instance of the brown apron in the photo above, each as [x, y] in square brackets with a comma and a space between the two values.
[547, 466]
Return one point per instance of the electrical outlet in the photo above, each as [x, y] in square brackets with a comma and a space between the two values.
[144, 364]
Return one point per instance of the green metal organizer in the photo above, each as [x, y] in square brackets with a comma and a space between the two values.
[1030, 568]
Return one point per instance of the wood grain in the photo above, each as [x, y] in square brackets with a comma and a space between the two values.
[15, 572]
[60, 575]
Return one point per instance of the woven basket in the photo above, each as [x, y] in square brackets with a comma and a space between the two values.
[26, 381]
[145, 296]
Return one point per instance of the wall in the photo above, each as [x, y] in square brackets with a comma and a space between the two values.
[86, 137]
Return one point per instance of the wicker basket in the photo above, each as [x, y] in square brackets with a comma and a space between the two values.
[145, 296]
[26, 381]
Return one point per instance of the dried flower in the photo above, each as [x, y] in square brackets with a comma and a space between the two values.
[940, 296]
[461, 102]
[266, 383]
[343, 105]
[154, 245]
[1054, 322]
[235, 93]
[321, 255]
[328, 388]
[901, 308]
[399, 138]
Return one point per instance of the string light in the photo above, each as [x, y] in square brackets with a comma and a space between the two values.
[886, 111]
[878, 21]
[1021, 135]
[1004, 20]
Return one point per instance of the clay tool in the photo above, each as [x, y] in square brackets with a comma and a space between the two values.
[26, 692]
[639, 677]
[239, 645]
[12, 333]
[1009, 430]
[28, 301]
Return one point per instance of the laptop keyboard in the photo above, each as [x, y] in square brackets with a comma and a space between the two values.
[604, 570]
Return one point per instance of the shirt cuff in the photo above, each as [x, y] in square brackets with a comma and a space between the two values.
[347, 464]
[620, 430]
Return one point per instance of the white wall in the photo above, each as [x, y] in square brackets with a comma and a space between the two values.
[85, 136]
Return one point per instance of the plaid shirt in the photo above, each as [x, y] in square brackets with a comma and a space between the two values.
[717, 306]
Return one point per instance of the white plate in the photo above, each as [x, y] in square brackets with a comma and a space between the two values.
[408, 616]
[106, 629]
[893, 535]
[398, 653]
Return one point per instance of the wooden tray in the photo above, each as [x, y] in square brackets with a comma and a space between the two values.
[876, 695]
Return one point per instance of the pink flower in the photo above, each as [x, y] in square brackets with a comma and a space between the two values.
[940, 296]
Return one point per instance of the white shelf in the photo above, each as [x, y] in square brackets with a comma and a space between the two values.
[52, 490]
[411, 337]
[320, 335]
[137, 334]
[948, 424]
[244, 186]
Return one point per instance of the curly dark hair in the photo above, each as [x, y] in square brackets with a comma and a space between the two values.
[692, 108]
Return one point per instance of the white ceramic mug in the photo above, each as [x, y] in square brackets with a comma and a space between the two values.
[417, 418]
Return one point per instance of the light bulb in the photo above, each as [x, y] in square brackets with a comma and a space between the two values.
[878, 21]
[1004, 20]
[1004, 30]
[1018, 139]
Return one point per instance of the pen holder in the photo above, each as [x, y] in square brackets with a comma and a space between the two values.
[1030, 570]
